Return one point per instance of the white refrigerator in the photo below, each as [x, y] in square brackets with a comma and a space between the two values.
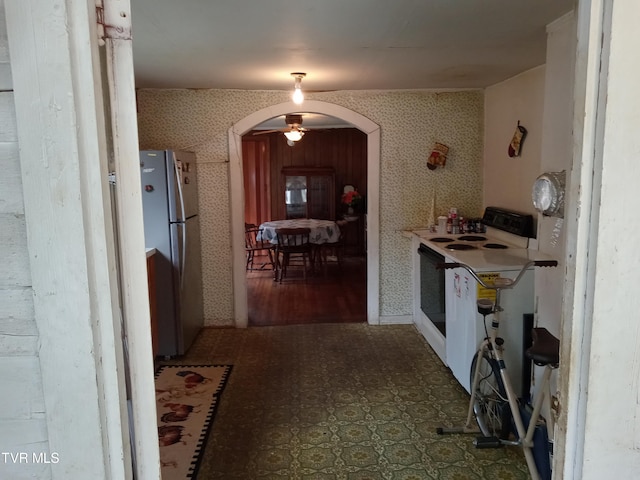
[172, 227]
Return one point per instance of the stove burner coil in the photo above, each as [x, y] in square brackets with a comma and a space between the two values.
[494, 245]
[460, 246]
[472, 238]
[441, 240]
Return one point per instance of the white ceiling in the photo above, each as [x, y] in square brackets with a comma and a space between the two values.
[340, 44]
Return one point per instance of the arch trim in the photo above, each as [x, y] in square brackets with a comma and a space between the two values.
[236, 187]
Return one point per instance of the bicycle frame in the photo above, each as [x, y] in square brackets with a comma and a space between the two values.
[525, 434]
[491, 347]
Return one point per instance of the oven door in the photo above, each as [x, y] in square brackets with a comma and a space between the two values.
[432, 287]
[431, 291]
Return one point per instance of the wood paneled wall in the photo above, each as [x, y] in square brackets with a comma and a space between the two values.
[343, 149]
[257, 174]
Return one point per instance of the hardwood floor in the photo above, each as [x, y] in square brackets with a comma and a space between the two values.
[337, 295]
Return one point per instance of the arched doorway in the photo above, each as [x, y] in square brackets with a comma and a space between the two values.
[237, 198]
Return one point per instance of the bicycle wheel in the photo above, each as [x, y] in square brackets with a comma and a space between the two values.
[491, 406]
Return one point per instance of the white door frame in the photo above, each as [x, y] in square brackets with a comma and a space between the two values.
[599, 417]
[236, 193]
[58, 77]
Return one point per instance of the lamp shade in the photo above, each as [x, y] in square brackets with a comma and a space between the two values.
[294, 135]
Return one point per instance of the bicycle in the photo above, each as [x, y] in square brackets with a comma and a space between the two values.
[494, 404]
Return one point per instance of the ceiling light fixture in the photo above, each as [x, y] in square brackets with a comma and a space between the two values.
[294, 135]
[298, 96]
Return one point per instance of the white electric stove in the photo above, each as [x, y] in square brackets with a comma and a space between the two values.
[445, 300]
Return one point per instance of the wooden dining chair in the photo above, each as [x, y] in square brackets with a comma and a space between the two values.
[334, 251]
[293, 250]
[257, 248]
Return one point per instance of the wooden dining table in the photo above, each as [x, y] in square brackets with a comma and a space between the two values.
[321, 231]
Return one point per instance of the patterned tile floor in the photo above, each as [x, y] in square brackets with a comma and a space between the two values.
[339, 401]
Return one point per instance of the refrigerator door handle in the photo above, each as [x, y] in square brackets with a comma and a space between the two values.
[183, 262]
[179, 185]
[182, 218]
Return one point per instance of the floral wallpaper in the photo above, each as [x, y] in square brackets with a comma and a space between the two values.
[410, 193]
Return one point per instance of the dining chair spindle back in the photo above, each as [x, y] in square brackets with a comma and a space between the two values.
[293, 249]
[257, 248]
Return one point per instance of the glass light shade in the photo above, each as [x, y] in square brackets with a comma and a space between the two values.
[293, 135]
[298, 96]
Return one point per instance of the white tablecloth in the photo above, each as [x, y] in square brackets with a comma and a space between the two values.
[322, 231]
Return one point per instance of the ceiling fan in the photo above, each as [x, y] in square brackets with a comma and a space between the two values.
[294, 130]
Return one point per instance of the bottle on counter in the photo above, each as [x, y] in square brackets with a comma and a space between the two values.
[455, 221]
[470, 226]
[449, 225]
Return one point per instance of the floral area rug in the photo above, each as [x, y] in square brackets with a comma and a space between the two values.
[186, 401]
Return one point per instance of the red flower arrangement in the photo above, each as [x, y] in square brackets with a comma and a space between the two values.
[352, 199]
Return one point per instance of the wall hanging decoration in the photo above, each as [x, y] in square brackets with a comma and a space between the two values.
[438, 156]
[516, 142]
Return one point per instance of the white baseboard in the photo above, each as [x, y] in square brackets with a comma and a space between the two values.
[396, 319]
